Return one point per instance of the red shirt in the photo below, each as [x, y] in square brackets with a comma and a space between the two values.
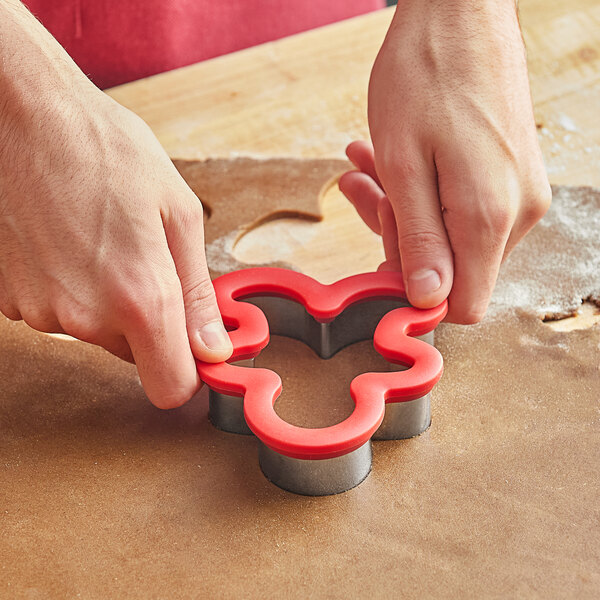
[115, 41]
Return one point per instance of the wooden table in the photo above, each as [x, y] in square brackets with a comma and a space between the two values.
[305, 96]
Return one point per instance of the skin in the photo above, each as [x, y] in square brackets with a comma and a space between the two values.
[455, 176]
[101, 238]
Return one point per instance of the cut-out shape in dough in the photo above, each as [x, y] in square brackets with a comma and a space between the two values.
[244, 193]
[310, 246]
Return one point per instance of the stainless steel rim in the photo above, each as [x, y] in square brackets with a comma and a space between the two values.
[316, 477]
[404, 420]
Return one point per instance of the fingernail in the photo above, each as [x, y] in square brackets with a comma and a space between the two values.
[423, 283]
[214, 336]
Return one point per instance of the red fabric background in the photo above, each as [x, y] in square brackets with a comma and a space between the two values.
[114, 41]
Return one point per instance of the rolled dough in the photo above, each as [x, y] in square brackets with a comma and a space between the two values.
[104, 496]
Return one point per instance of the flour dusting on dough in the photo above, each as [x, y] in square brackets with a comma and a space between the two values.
[558, 263]
[219, 254]
[567, 123]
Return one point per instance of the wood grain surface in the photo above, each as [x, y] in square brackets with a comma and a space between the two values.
[306, 95]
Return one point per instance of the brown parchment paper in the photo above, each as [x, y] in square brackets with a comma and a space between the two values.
[104, 496]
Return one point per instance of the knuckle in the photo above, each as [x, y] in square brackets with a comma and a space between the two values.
[10, 311]
[175, 397]
[200, 296]
[38, 317]
[134, 307]
[471, 315]
[195, 211]
[538, 204]
[139, 305]
[494, 217]
[77, 322]
[196, 214]
[422, 241]
[191, 212]
[502, 218]
[468, 306]
[7, 308]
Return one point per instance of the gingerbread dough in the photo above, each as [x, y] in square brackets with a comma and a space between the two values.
[104, 496]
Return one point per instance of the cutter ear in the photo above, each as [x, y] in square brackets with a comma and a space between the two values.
[406, 321]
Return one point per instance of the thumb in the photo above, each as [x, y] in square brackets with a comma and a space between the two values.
[184, 228]
[425, 251]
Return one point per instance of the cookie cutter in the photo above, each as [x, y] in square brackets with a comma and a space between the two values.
[388, 405]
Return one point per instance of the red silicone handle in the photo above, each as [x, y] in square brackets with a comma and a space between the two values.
[370, 391]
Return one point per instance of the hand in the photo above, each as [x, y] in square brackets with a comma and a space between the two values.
[100, 237]
[455, 150]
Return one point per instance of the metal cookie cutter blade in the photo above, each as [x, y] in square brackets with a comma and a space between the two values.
[327, 318]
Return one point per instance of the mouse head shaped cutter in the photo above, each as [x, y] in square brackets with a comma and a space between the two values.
[388, 405]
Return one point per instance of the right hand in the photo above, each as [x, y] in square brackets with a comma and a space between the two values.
[455, 150]
[101, 239]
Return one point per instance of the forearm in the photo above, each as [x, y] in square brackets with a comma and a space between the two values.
[30, 52]
[481, 35]
[475, 9]
[37, 76]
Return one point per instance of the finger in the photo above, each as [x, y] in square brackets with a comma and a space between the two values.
[476, 265]
[535, 207]
[361, 155]
[480, 227]
[154, 327]
[364, 194]
[119, 347]
[184, 228]
[426, 255]
[389, 233]
[10, 312]
[39, 316]
[518, 232]
[116, 345]
[24, 301]
[7, 307]
[84, 326]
